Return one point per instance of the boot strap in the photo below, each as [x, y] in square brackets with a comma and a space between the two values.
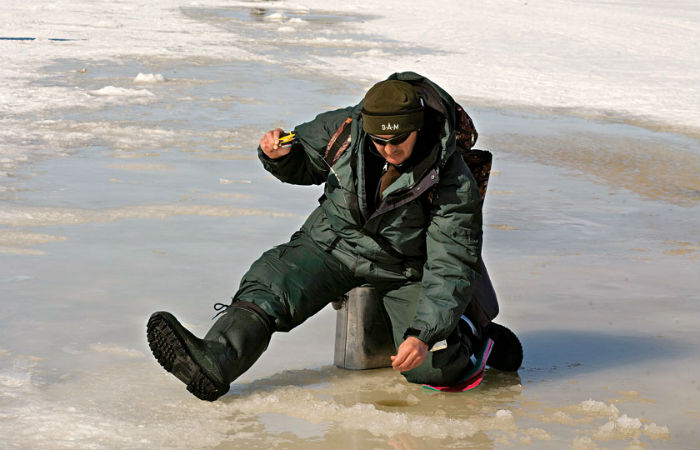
[267, 321]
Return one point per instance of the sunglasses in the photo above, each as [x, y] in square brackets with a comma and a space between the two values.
[394, 140]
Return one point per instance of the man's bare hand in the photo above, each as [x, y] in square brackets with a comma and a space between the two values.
[411, 354]
[269, 142]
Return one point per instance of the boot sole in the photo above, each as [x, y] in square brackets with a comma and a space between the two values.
[171, 353]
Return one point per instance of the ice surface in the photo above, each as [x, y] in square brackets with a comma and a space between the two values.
[624, 59]
[16, 242]
[40, 216]
[617, 59]
[125, 264]
[116, 350]
[320, 405]
[583, 443]
[121, 194]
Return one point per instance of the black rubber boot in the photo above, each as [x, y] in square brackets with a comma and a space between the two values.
[507, 352]
[208, 366]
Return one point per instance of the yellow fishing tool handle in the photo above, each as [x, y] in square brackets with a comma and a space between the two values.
[286, 139]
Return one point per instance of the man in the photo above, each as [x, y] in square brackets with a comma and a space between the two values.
[400, 211]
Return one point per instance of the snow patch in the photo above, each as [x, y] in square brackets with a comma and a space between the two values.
[276, 17]
[504, 414]
[14, 380]
[149, 78]
[559, 417]
[594, 407]
[374, 52]
[22, 238]
[622, 427]
[360, 416]
[116, 350]
[44, 216]
[21, 251]
[227, 181]
[655, 431]
[113, 91]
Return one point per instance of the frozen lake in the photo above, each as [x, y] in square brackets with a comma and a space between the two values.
[121, 196]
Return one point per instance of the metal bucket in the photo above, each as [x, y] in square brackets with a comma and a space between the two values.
[363, 336]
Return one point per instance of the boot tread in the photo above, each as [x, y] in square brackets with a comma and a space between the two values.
[171, 353]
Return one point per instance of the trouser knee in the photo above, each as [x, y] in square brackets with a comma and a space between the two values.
[293, 281]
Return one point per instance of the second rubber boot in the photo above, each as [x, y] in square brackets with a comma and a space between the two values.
[507, 353]
[208, 366]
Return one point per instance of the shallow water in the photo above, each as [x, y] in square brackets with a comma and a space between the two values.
[132, 203]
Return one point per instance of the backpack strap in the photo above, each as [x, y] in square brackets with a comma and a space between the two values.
[478, 161]
[339, 142]
[465, 131]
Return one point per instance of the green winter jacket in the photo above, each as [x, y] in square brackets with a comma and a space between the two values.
[426, 226]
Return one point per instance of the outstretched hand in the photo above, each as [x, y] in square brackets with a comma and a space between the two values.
[411, 354]
[269, 144]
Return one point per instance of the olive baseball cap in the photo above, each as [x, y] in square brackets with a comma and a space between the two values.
[391, 107]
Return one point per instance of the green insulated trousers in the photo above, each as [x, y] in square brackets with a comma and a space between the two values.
[294, 281]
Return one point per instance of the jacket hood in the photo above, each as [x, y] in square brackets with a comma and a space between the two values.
[438, 99]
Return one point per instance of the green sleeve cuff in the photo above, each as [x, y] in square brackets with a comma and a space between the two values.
[423, 335]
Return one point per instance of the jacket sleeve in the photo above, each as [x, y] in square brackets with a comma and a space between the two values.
[453, 246]
[305, 163]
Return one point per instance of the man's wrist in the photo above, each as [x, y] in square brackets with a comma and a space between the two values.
[426, 337]
[417, 341]
[267, 157]
[411, 332]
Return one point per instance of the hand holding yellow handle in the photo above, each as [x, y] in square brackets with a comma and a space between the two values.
[275, 143]
[286, 140]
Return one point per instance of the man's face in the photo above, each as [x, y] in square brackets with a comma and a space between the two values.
[395, 153]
